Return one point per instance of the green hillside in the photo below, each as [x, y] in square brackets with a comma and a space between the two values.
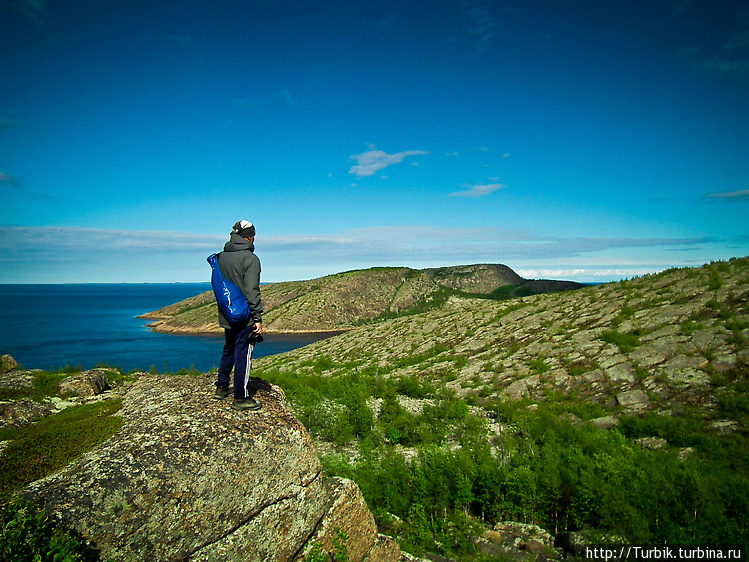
[342, 301]
[616, 413]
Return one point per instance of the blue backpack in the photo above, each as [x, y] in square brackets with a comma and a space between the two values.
[229, 297]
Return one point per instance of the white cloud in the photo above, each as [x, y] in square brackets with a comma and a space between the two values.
[286, 96]
[57, 254]
[549, 273]
[448, 245]
[589, 274]
[6, 180]
[740, 39]
[740, 195]
[482, 25]
[62, 238]
[479, 190]
[725, 66]
[370, 162]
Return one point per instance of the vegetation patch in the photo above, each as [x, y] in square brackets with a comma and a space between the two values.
[626, 342]
[511, 292]
[27, 534]
[460, 477]
[339, 552]
[733, 394]
[714, 281]
[563, 478]
[689, 327]
[539, 366]
[431, 301]
[51, 443]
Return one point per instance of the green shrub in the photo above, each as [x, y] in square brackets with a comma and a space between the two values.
[689, 327]
[714, 280]
[338, 554]
[625, 342]
[678, 430]
[413, 387]
[539, 366]
[27, 535]
[733, 405]
[334, 409]
[460, 361]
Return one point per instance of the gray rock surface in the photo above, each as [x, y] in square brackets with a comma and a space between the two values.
[7, 364]
[189, 478]
[522, 542]
[81, 388]
[88, 383]
[21, 412]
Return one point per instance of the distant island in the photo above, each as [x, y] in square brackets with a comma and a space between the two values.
[346, 300]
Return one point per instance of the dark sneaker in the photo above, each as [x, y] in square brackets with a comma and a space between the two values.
[246, 404]
[222, 392]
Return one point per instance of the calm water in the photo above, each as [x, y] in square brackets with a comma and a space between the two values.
[51, 326]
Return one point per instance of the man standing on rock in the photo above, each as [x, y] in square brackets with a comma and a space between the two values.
[239, 264]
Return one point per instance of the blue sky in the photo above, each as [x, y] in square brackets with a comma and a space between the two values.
[587, 140]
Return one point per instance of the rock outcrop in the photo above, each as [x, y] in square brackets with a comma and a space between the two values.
[88, 383]
[189, 478]
[7, 364]
[81, 388]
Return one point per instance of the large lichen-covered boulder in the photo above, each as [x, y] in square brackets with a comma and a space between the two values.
[7, 364]
[189, 478]
[18, 413]
[88, 383]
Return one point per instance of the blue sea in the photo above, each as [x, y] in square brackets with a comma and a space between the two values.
[53, 326]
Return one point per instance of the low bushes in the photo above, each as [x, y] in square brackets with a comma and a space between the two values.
[456, 476]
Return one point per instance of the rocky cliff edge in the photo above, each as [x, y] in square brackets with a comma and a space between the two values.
[189, 478]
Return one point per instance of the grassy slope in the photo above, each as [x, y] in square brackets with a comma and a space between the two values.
[476, 412]
[348, 299]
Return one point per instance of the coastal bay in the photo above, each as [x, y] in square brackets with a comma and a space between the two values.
[51, 326]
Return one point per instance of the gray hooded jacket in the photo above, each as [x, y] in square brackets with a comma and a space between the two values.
[239, 264]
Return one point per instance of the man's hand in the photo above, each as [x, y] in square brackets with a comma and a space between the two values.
[258, 328]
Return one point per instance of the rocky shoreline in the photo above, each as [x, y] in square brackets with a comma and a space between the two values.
[162, 326]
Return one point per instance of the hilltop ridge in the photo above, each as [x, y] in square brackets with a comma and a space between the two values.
[345, 300]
